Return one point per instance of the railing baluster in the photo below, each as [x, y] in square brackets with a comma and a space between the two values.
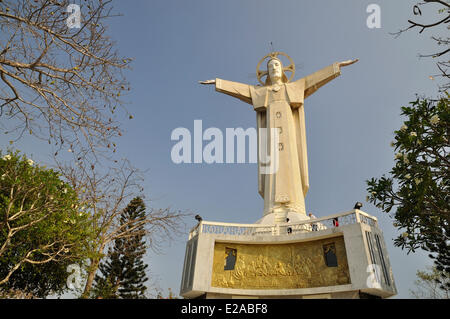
[352, 217]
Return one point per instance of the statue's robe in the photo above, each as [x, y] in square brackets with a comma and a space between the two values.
[282, 107]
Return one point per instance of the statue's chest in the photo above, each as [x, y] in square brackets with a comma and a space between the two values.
[277, 93]
[264, 97]
[278, 107]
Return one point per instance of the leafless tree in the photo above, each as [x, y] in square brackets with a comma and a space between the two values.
[65, 85]
[105, 195]
[60, 84]
[443, 8]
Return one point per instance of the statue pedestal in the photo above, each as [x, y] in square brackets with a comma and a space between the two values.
[316, 258]
[272, 219]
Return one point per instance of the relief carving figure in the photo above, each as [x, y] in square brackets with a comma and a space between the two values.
[239, 272]
[279, 106]
[289, 269]
[298, 265]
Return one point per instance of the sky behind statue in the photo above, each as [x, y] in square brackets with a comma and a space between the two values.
[349, 125]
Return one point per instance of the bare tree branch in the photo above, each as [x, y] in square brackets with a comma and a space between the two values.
[59, 84]
[106, 194]
[442, 65]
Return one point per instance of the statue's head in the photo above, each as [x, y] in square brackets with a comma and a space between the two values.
[275, 69]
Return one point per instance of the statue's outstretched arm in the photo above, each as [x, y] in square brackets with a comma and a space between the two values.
[318, 79]
[234, 89]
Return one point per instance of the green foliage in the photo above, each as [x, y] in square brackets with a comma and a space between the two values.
[112, 269]
[124, 273]
[104, 288]
[43, 229]
[418, 185]
[170, 295]
[429, 285]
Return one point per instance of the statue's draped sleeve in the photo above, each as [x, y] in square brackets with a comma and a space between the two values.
[238, 90]
[257, 96]
[318, 79]
[296, 92]
[261, 123]
[260, 103]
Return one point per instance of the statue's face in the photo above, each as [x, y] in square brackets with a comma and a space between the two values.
[275, 69]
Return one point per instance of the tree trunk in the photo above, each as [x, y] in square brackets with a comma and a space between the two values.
[90, 279]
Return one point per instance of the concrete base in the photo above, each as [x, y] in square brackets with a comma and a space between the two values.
[368, 269]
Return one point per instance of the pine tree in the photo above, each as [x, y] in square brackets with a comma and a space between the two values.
[106, 286]
[134, 276]
[123, 274]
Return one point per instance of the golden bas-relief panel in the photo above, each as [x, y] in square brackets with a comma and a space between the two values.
[281, 266]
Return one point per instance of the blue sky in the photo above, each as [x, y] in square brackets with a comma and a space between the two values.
[350, 122]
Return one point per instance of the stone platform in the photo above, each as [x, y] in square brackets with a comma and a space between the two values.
[315, 258]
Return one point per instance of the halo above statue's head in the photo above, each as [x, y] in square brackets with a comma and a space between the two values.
[271, 56]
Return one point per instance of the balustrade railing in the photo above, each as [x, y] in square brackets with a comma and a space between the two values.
[317, 224]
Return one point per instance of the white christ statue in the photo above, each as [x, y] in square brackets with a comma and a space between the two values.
[279, 105]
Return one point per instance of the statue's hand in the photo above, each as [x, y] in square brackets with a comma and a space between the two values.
[348, 62]
[207, 82]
